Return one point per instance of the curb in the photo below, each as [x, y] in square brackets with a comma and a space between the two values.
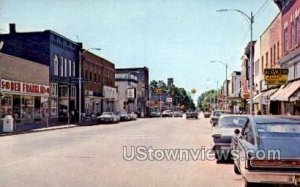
[39, 130]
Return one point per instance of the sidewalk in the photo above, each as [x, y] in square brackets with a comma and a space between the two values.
[40, 129]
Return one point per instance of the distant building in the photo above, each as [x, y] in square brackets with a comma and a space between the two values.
[126, 84]
[142, 87]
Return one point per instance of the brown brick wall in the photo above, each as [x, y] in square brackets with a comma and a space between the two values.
[98, 71]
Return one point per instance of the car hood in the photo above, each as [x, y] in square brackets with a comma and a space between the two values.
[288, 147]
[106, 116]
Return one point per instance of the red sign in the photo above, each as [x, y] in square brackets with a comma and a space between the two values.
[20, 87]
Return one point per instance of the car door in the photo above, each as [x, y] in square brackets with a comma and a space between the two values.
[245, 145]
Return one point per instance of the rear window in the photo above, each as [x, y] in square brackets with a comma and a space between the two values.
[232, 121]
[287, 128]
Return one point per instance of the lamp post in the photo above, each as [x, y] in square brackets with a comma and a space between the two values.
[80, 79]
[226, 89]
[250, 19]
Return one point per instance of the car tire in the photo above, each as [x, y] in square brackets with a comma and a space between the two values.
[248, 184]
[236, 169]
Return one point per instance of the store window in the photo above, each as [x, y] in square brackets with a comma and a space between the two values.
[6, 105]
[16, 106]
[291, 72]
[27, 107]
[297, 70]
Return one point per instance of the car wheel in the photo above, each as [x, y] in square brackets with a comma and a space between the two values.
[248, 184]
[236, 169]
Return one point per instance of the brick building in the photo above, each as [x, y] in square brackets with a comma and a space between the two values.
[100, 81]
[287, 98]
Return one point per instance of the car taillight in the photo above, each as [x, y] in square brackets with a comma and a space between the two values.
[275, 163]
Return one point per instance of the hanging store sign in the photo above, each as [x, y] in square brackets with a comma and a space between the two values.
[276, 76]
[130, 93]
[23, 88]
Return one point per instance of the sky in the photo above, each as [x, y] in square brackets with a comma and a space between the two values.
[173, 38]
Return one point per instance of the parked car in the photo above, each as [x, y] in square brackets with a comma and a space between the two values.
[191, 114]
[266, 134]
[216, 114]
[207, 114]
[222, 134]
[155, 113]
[177, 113]
[124, 116]
[167, 113]
[107, 117]
[133, 116]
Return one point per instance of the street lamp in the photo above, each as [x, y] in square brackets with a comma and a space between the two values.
[226, 90]
[80, 78]
[250, 19]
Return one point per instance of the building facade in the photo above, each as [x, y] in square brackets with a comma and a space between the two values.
[287, 98]
[60, 54]
[267, 54]
[142, 92]
[99, 87]
[126, 85]
[24, 87]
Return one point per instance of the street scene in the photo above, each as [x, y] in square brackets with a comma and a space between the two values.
[93, 156]
[150, 93]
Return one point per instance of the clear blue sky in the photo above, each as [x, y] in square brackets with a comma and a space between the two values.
[174, 38]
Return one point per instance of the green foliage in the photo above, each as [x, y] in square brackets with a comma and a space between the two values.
[206, 98]
[180, 95]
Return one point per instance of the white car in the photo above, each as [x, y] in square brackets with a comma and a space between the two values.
[108, 117]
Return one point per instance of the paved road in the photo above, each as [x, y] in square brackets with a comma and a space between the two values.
[93, 156]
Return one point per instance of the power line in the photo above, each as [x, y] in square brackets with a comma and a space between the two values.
[266, 3]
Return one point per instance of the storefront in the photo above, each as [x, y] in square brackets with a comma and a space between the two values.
[27, 102]
[287, 98]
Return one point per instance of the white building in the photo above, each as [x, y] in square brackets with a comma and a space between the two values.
[126, 84]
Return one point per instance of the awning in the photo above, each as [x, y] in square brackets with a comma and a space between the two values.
[285, 92]
[257, 98]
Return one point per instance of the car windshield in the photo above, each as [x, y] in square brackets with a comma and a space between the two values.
[278, 128]
[107, 113]
[232, 121]
[219, 113]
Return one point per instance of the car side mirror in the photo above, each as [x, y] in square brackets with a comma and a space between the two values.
[237, 131]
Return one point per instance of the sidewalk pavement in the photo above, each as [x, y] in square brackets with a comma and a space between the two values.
[40, 129]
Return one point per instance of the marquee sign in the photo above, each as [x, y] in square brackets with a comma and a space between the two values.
[276, 76]
[23, 88]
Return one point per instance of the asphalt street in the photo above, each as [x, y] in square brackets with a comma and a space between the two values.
[100, 155]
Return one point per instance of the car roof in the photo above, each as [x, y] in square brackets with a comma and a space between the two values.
[262, 119]
[233, 115]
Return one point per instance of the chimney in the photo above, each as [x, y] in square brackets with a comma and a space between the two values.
[12, 28]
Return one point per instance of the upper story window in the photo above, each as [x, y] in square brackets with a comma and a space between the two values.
[297, 26]
[294, 35]
[61, 66]
[73, 68]
[267, 60]
[286, 39]
[55, 64]
[70, 68]
[66, 68]
[262, 64]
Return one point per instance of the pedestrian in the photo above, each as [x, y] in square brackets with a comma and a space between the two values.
[259, 112]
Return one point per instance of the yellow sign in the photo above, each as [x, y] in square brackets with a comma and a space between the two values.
[276, 76]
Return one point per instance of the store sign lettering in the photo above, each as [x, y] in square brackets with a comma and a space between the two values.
[14, 86]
